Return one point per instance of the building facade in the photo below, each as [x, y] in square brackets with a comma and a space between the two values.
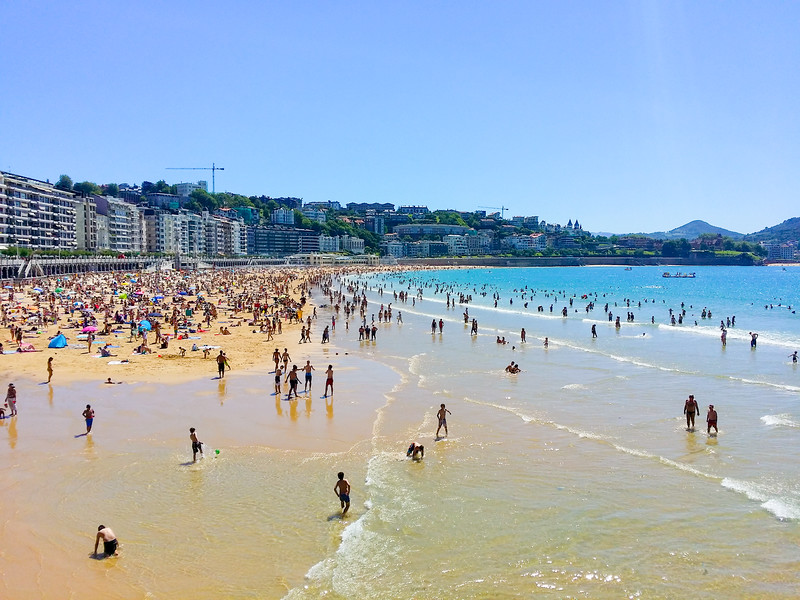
[35, 214]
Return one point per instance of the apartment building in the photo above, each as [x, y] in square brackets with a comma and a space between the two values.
[35, 214]
[329, 243]
[86, 233]
[282, 216]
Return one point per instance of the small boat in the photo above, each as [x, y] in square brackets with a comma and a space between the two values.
[679, 275]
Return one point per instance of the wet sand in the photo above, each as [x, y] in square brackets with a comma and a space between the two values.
[249, 520]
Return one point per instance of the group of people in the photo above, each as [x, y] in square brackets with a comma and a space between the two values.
[691, 408]
[415, 452]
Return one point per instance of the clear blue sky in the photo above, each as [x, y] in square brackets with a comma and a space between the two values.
[630, 116]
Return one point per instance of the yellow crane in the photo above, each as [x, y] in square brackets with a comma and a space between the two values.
[213, 168]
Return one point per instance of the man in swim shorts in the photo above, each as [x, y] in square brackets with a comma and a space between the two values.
[88, 414]
[329, 380]
[442, 416]
[110, 544]
[307, 369]
[690, 408]
[222, 362]
[197, 445]
[342, 489]
[293, 380]
[711, 419]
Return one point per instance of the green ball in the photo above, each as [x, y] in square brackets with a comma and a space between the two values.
[217, 451]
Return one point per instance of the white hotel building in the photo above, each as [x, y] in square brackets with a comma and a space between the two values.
[34, 214]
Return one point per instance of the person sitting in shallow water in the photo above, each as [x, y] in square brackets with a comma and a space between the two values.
[416, 451]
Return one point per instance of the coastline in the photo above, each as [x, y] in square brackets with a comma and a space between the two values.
[572, 261]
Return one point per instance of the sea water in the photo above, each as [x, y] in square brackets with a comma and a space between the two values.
[577, 477]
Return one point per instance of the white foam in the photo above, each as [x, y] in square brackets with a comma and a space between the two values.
[574, 386]
[782, 510]
[780, 420]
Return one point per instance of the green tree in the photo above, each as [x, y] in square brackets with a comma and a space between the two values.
[64, 183]
[445, 217]
[112, 189]
[87, 187]
[205, 200]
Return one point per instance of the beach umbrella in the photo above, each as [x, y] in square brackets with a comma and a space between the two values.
[155, 314]
[124, 295]
[9, 287]
[89, 328]
[38, 289]
[145, 324]
[158, 297]
[59, 290]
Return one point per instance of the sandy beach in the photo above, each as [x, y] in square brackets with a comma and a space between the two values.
[137, 461]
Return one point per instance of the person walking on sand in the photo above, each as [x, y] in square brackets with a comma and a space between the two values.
[276, 356]
[49, 369]
[293, 380]
[110, 543]
[278, 374]
[307, 370]
[329, 380]
[197, 445]
[11, 400]
[442, 415]
[711, 419]
[690, 409]
[88, 414]
[342, 490]
[222, 364]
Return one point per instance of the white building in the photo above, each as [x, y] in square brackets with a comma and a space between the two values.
[122, 223]
[315, 214]
[456, 245]
[535, 241]
[329, 243]
[283, 216]
[186, 189]
[395, 248]
[35, 214]
[352, 244]
[86, 234]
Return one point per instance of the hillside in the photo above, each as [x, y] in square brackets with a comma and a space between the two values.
[692, 230]
[787, 231]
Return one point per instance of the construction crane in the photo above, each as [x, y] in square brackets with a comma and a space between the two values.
[213, 168]
[502, 210]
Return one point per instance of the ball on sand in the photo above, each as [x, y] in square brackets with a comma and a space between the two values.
[216, 451]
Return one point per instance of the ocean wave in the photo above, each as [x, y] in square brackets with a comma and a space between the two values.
[780, 420]
[782, 507]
